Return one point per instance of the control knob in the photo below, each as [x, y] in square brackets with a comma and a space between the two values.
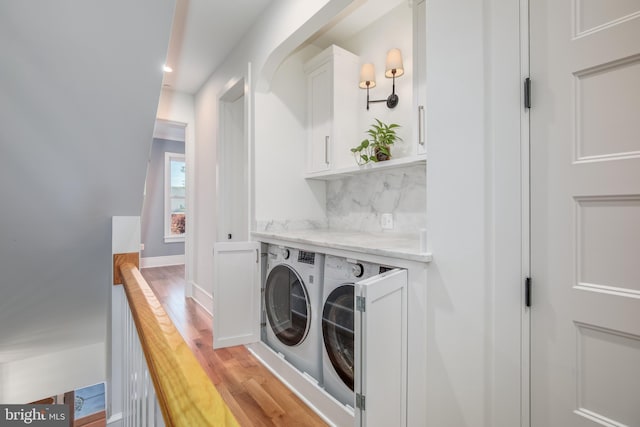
[357, 270]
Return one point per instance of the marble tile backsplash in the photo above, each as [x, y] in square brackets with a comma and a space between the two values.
[356, 203]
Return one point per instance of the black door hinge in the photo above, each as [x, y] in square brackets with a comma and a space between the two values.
[360, 401]
[527, 292]
[527, 93]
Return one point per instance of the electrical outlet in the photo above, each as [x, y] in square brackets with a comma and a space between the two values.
[142, 246]
[386, 221]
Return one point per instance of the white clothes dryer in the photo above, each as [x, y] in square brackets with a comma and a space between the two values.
[338, 326]
[292, 304]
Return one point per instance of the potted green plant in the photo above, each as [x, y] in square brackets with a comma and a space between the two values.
[377, 147]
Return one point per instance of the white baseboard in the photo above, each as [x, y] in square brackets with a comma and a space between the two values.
[202, 297]
[115, 420]
[188, 290]
[161, 261]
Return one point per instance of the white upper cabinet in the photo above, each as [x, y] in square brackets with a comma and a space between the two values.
[332, 102]
[320, 118]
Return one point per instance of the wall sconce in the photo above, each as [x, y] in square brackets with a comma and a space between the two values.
[393, 69]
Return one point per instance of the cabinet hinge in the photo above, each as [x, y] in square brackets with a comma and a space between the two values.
[527, 93]
[360, 301]
[360, 401]
[527, 292]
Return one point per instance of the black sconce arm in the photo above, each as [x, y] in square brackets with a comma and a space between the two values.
[391, 100]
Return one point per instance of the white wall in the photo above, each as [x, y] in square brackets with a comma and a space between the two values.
[394, 29]
[282, 194]
[473, 213]
[79, 84]
[456, 215]
[508, 259]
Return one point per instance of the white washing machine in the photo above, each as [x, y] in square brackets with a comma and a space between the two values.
[338, 326]
[292, 304]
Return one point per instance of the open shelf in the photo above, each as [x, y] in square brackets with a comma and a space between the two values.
[369, 167]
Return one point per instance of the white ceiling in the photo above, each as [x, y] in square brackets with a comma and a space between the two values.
[353, 19]
[203, 34]
[205, 31]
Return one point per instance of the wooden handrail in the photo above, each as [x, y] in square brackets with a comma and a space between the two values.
[185, 394]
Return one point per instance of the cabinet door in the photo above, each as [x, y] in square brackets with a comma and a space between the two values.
[236, 293]
[420, 74]
[381, 350]
[320, 101]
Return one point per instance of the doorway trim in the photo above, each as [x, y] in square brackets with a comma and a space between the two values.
[525, 143]
[180, 131]
[235, 88]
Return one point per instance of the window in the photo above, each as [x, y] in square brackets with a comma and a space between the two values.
[174, 197]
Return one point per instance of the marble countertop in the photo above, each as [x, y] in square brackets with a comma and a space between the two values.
[394, 245]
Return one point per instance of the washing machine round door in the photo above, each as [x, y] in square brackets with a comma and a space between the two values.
[287, 305]
[338, 331]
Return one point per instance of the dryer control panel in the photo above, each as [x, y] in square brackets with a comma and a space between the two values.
[307, 257]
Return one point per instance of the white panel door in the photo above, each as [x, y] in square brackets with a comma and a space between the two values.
[585, 218]
[381, 350]
[236, 293]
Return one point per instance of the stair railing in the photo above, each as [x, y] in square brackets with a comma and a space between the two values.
[163, 384]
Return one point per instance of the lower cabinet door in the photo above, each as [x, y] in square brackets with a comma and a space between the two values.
[381, 350]
[236, 293]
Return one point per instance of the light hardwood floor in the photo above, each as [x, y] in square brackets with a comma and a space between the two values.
[254, 395]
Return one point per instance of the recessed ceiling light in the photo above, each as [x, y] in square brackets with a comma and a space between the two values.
[167, 69]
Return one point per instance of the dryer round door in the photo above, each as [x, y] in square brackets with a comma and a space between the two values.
[338, 331]
[286, 302]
